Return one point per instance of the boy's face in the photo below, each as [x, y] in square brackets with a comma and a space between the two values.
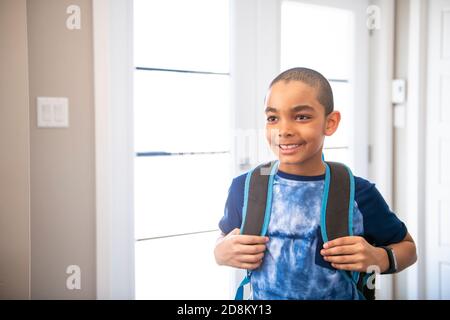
[296, 126]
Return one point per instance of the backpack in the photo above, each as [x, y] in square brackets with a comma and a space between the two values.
[336, 218]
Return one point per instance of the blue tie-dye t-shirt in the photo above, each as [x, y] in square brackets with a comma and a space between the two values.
[292, 267]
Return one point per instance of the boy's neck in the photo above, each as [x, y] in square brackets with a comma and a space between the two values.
[312, 167]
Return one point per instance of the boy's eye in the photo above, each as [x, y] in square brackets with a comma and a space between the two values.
[271, 119]
[302, 117]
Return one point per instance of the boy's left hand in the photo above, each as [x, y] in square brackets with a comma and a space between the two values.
[354, 254]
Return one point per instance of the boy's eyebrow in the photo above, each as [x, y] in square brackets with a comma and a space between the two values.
[294, 109]
[270, 109]
[302, 108]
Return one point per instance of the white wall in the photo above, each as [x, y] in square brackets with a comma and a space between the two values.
[15, 153]
[47, 184]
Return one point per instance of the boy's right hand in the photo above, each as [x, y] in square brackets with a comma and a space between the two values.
[240, 251]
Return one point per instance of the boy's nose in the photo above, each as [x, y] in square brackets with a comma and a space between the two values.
[284, 131]
[285, 134]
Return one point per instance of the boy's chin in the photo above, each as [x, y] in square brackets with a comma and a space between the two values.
[295, 160]
[289, 161]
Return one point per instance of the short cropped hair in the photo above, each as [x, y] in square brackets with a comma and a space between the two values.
[313, 79]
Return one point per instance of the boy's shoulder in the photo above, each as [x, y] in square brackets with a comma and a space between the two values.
[239, 180]
[367, 197]
[362, 185]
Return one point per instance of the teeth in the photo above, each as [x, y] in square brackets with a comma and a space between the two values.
[288, 146]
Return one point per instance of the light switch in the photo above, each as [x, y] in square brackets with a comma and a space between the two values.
[398, 91]
[52, 112]
[59, 113]
[47, 112]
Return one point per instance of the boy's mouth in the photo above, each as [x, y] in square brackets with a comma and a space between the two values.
[289, 148]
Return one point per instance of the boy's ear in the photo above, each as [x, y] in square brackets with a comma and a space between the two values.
[332, 123]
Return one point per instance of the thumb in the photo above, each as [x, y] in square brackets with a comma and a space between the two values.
[235, 231]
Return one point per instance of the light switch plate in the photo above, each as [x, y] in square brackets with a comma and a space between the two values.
[52, 112]
[398, 91]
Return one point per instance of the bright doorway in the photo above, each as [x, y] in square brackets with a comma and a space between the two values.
[182, 144]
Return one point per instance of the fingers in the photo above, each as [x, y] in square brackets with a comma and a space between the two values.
[245, 239]
[343, 241]
[344, 259]
[244, 251]
[254, 258]
[251, 249]
[340, 250]
[249, 262]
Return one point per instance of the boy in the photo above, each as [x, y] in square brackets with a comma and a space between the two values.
[291, 262]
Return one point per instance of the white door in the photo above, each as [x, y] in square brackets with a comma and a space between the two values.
[438, 153]
[332, 37]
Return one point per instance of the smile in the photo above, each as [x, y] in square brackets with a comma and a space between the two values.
[289, 148]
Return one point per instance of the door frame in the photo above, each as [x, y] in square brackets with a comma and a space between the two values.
[411, 283]
[415, 145]
[434, 190]
[113, 74]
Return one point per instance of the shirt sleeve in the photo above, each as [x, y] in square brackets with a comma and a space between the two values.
[381, 226]
[232, 217]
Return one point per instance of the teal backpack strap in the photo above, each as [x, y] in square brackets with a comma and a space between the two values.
[337, 202]
[337, 207]
[240, 290]
[257, 207]
[258, 199]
